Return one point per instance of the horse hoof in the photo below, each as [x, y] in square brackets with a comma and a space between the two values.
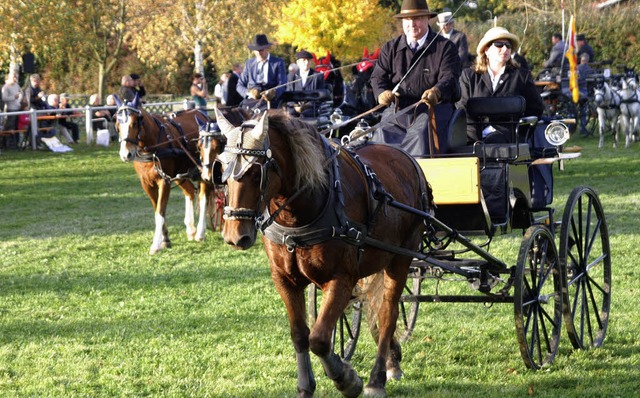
[394, 374]
[165, 245]
[351, 384]
[377, 392]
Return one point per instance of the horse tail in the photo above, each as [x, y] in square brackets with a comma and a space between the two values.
[370, 291]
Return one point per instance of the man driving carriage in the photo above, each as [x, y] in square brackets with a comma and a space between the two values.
[264, 77]
[419, 64]
[304, 79]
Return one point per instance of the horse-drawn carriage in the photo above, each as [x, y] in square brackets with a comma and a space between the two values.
[335, 212]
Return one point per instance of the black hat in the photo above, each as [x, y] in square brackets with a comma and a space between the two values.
[304, 54]
[580, 37]
[135, 76]
[260, 42]
[414, 8]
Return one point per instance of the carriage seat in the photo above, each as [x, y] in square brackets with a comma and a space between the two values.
[504, 112]
[306, 96]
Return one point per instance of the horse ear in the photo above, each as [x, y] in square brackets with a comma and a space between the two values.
[365, 53]
[118, 102]
[202, 125]
[376, 54]
[258, 133]
[136, 101]
[223, 123]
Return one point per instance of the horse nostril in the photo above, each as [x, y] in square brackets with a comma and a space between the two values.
[244, 243]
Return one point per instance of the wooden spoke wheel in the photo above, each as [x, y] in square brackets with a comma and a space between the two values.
[347, 330]
[538, 297]
[586, 259]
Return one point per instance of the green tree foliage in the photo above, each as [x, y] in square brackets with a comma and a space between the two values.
[343, 27]
[208, 31]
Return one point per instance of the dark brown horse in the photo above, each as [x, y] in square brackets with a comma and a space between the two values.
[323, 212]
[163, 151]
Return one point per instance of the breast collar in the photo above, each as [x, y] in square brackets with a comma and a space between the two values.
[332, 222]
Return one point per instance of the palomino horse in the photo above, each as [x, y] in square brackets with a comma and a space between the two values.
[163, 151]
[607, 101]
[326, 220]
[630, 108]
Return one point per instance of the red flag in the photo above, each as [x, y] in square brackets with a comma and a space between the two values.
[572, 56]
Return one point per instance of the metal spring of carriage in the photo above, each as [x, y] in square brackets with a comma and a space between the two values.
[563, 268]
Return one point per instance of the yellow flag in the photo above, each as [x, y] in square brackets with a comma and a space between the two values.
[572, 56]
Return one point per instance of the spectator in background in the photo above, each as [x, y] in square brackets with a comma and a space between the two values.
[446, 24]
[138, 88]
[557, 52]
[584, 71]
[12, 96]
[126, 93]
[584, 47]
[53, 100]
[218, 89]
[36, 98]
[229, 89]
[101, 117]
[66, 120]
[199, 91]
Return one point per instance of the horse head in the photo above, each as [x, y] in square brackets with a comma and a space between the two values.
[324, 65]
[211, 143]
[368, 61]
[129, 123]
[246, 161]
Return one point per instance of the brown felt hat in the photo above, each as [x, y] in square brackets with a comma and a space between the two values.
[414, 8]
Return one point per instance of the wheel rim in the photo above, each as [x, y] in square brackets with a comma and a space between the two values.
[409, 310]
[538, 298]
[585, 256]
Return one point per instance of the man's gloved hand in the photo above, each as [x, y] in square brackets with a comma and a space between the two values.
[254, 93]
[431, 96]
[301, 106]
[269, 94]
[386, 98]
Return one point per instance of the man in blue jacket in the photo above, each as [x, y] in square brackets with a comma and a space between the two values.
[264, 77]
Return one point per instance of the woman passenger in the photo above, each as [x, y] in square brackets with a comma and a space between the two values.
[497, 74]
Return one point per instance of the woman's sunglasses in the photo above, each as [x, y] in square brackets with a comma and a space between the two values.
[500, 44]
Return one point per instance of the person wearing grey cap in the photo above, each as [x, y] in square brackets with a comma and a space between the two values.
[446, 24]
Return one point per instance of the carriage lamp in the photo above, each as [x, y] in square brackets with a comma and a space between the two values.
[556, 133]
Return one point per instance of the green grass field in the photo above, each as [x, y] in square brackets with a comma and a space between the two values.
[86, 312]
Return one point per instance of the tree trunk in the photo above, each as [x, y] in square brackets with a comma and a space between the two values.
[101, 80]
[197, 56]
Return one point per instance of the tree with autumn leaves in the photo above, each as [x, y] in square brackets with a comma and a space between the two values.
[83, 46]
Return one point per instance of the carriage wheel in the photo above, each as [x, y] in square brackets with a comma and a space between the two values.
[215, 205]
[409, 310]
[586, 260]
[538, 298]
[347, 329]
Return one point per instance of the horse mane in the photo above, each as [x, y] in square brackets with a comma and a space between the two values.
[307, 149]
